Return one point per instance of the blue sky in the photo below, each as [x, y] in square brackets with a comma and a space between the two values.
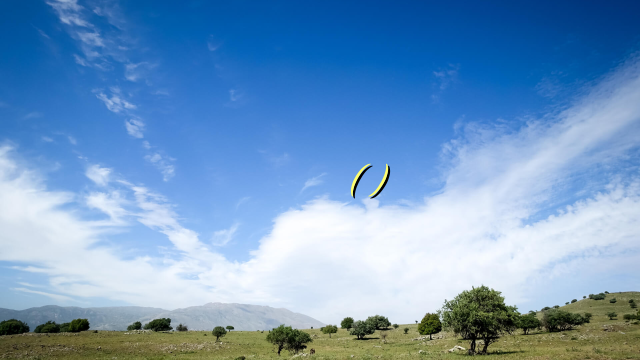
[209, 147]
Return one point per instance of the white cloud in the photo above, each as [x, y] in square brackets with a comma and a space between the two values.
[134, 72]
[314, 181]
[212, 44]
[56, 297]
[134, 128]
[46, 139]
[69, 12]
[234, 95]
[222, 237]
[489, 224]
[115, 103]
[111, 203]
[72, 140]
[98, 174]
[242, 201]
[164, 164]
[33, 115]
[91, 38]
[80, 61]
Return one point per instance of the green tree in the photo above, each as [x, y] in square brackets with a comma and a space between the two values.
[528, 322]
[181, 327]
[584, 297]
[560, 320]
[479, 314]
[633, 305]
[613, 301]
[587, 317]
[297, 340]
[574, 300]
[378, 322]
[395, 326]
[430, 325]
[219, 332]
[611, 315]
[48, 327]
[347, 323]
[230, 328]
[13, 327]
[279, 336]
[64, 327]
[78, 325]
[406, 330]
[163, 324]
[135, 326]
[330, 329]
[362, 328]
[567, 303]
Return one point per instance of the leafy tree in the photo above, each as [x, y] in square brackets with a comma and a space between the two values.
[13, 327]
[330, 329]
[135, 326]
[284, 337]
[78, 325]
[574, 300]
[606, 292]
[584, 297]
[611, 315]
[378, 322]
[163, 324]
[633, 305]
[416, 321]
[406, 330]
[479, 313]
[362, 328]
[298, 339]
[628, 317]
[587, 317]
[560, 320]
[219, 332]
[231, 328]
[279, 336]
[556, 306]
[347, 323]
[613, 301]
[395, 326]
[567, 303]
[430, 325]
[600, 296]
[181, 327]
[528, 322]
[631, 301]
[48, 327]
[546, 308]
[64, 327]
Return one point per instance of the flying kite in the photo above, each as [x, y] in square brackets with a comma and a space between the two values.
[359, 175]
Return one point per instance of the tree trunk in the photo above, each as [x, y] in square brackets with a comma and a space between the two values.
[472, 347]
[486, 345]
[430, 337]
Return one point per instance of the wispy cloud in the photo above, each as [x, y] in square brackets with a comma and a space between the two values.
[314, 181]
[162, 163]
[135, 128]
[33, 115]
[115, 103]
[223, 237]
[242, 201]
[99, 175]
[444, 79]
[135, 72]
[46, 139]
[55, 297]
[212, 44]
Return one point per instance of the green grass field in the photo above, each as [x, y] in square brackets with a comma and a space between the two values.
[621, 340]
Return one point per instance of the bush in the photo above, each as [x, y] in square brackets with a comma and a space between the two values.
[135, 326]
[330, 329]
[378, 322]
[218, 332]
[78, 325]
[584, 297]
[606, 292]
[629, 317]
[430, 325]
[284, 337]
[587, 317]
[556, 306]
[613, 301]
[395, 326]
[479, 313]
[611, 315]
[546, 308]
[633, 305]
[347, 323]
[163, 324]
[231, 328]
[567, 303]
[406, 330]
[64, 327]
[574, 300]
[528, 322]
[560, 320]
[48, 327]
[13, 327]
[600, 296]
[181, 327]
[361, 329]
[631, 301]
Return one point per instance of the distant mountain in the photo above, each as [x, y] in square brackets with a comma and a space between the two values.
[205, 317]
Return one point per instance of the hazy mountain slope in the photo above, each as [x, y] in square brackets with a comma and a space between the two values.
[242, 317]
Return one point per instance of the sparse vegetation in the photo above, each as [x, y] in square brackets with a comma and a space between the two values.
[347, 323]
[613, 301]
[13, 327]
[218, 332]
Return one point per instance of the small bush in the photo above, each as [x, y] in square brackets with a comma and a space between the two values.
[240, 358]
[600, 296]
[135, 326]
[633, 305]
[395, 326]
[606, 292]
[613, 301]
[406, 330]
[631, 301]
[48, 327]
[567, 303]
[574, 300]
[546, 308]
[629, 317]
[556, 306]
[612, 315]
[13, 327]
[584, 297]
[181, 327]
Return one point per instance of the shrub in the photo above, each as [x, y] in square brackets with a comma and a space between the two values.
[556, 306]
[181, 327]
[13, 327]
[48, 327]
[378, 322]
[560, 320]
[64, 327]
[406, 330]
[231, 328]
[574, 300]
[600, 296]
[479, 313]
[613, 301]
[297, 341]
[606, 292]
[567, 303]
[528, 322]
[163, 324]
[135, 326]
[240, 358]
[347, 323]
[395, 326]
[330, 329]
[546, 308]
[78, 325]
[430, 325]
[633, 305]
[631, 301]
[284, 337]
[218, 332]
[611, 315]
[362, 328]
[587, 317]
[584, 297]
[629, 317]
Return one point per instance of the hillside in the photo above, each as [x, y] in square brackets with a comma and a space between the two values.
[599, 308]
[205, 317]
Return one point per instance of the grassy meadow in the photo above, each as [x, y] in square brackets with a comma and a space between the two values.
[601, 339]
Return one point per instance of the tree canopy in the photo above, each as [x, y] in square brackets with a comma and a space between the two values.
[479, 314]
[229, 327]
[430, 325]
[135, 326]
[78, 325]
[218, 332]
[362, 328]
[163, 324]
[48, 327]
[330, 329]
[284, 337]
[560, 320]
[527, 322]
[13, 327]
[379, 322]
[347, 323]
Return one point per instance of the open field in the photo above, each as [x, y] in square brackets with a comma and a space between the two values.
[590, 341]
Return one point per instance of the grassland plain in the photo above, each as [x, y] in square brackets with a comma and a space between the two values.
[601, 339]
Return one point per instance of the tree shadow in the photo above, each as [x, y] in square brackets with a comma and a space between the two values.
[367, 338]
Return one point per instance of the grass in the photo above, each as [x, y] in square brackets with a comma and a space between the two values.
[621, 341]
